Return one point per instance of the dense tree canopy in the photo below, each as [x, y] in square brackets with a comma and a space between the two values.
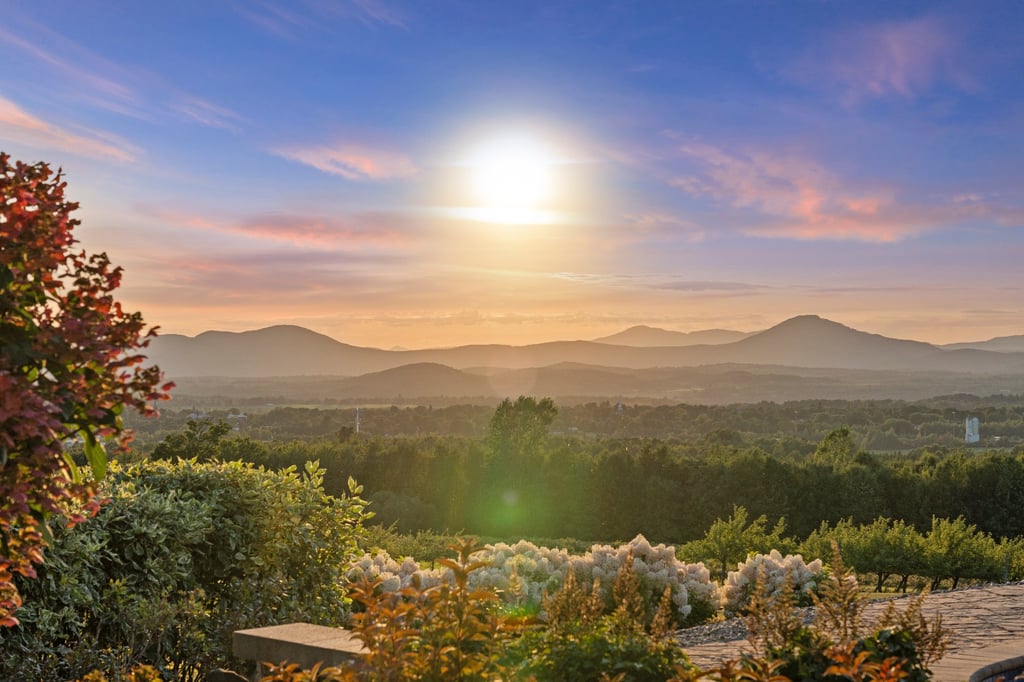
[69, 365]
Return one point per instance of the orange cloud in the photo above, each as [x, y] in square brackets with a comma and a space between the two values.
[352, 162]
[371, 230]
[18, 125]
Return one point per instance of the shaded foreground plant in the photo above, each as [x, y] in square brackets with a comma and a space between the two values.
[579, 643]
[184, 554]
[445, 632]
[838, 645]
[452, 632]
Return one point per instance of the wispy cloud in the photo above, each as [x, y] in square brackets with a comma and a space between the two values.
[665, 225]
[798, 197]
[366, 230]
[905, 59]
[84, 76]
[380, 12]
[18, 125]
[241, 275]
[352, 162]
[296, 19]
[206, 113]
[378, 231]
[661, 282]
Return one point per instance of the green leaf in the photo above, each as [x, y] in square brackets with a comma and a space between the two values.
[97, 456]
[76, 475]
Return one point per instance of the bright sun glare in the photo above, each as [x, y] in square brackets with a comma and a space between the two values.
[512, 174]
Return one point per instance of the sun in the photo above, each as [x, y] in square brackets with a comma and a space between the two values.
[512, 173]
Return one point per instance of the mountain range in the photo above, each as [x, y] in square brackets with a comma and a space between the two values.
[806, 341]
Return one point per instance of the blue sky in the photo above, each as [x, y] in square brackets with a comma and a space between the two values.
[692, 164]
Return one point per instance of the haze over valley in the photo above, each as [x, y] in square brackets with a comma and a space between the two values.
[803, 357]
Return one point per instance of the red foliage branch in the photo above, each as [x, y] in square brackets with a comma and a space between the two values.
[69, 365]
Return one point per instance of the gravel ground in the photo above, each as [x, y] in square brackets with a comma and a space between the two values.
[728, 630]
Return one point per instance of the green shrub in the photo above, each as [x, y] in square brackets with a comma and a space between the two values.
[182, 555]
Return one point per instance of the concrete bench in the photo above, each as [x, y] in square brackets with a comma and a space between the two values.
[300, 643]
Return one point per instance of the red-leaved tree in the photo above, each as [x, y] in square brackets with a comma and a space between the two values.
[69, 365]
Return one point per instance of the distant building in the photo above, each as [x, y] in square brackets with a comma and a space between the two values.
[971, 434]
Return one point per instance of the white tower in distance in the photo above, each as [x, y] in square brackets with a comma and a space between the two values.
[357, 420]
[971, 434]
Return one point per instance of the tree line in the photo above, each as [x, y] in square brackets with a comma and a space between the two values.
[788, 428]
[519, 480]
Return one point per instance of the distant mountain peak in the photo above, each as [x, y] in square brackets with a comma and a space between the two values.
[643, 335]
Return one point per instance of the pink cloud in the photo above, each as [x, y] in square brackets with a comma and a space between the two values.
[896, 58]
[352, 162]
[357, 231]
[799, 198]
[18, 125]
[361, 231]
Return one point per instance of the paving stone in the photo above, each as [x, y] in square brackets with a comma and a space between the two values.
[988, 626]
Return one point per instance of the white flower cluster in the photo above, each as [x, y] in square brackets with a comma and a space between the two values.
[778, 571]
[394, 576]
[657, 568]
[522, 573]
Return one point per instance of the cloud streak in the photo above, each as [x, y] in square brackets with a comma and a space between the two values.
[378, 231]
[798, 198]
[660, 282]
[352, 162]
[296, 19]
[18, 125]
[84, 76]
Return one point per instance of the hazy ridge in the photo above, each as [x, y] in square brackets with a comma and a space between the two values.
[804, 357]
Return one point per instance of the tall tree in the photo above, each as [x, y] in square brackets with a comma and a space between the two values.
[69, 364]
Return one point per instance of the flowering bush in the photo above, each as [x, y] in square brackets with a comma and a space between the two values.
[694, 595]
[522, 573]
[394, 576]
[778, 572]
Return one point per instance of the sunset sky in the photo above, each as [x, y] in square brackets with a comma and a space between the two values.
[400, 173]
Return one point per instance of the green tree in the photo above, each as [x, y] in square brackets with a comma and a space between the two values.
[956, 550]
[518, 428]
[201, 440]
[837, 449]
[727, 543]
[70, 363]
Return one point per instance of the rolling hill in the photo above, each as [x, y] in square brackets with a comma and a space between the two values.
[647, 337]
[1000, 344]
[806, 341]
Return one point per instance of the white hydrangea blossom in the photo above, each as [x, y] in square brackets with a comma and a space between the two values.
[395, 576]
[657, 568]
[777, 570]
[523, 573]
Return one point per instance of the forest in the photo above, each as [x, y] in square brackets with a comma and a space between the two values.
[527, 475]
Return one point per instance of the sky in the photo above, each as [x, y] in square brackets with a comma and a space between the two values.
[418, 174]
